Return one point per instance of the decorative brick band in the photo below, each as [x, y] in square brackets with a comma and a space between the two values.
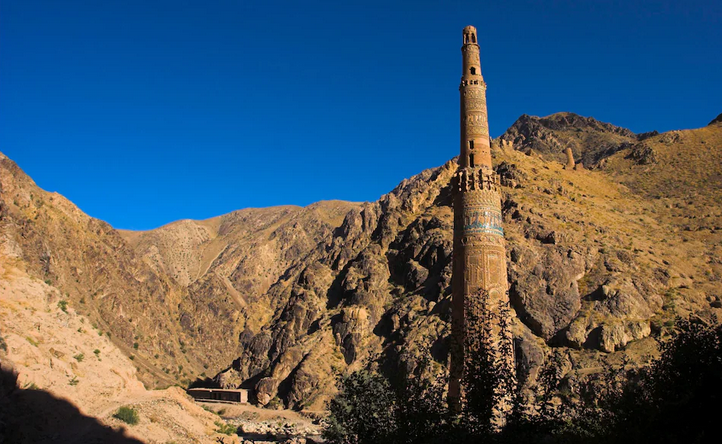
[467, 179]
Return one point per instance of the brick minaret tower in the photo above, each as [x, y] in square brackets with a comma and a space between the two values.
[479, 269]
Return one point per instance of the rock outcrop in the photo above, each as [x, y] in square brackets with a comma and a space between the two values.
[589, 139]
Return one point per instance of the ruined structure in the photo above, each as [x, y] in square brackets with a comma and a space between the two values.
[479, 280]
[570, 159]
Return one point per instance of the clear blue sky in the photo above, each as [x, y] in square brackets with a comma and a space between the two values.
[144, 112]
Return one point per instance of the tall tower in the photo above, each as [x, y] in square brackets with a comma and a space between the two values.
[479, 262]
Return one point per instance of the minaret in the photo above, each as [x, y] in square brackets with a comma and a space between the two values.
[479, 269]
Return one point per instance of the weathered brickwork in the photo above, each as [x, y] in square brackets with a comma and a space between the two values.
[479, 248]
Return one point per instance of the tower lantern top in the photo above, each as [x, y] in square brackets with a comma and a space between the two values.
[470, 35]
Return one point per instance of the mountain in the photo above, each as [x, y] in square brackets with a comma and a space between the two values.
[284, 299]
[237, 256]
[589, 139]
[103, 278]
[592, 270]
[61, 379]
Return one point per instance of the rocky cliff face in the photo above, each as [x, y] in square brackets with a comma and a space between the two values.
[594, 276]
[141, 308]
[589, 139]
[285, 299]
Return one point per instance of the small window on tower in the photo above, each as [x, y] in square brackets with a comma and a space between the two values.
[473, 38]
[471, 161]
[471, 144]
[473, 71]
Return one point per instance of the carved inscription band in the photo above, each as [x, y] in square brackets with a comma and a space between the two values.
[482, 219]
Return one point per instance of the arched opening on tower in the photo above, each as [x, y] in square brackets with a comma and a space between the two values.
[473, 71]
[471, 161]
[473, 38]
[471, 144]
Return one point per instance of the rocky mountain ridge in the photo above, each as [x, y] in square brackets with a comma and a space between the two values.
[284, 299]
[589, 139]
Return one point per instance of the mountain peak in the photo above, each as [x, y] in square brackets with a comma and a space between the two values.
[589, 139]
[567, 121]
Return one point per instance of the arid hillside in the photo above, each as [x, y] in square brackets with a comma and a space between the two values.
[101, 277]
[62, 380]
[238, 255]
[156, 304]
[284, 299]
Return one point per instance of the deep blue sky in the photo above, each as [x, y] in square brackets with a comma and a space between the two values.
[144, 112]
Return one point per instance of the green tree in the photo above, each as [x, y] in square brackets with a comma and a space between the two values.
[363, 412]
[675, 399]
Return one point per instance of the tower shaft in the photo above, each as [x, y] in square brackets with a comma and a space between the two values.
[479, 279]
[475, 145]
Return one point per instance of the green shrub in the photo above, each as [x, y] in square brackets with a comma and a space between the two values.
[79, 357]
[127, 414]
[275, 403]
[226, 429]
[63, 305]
